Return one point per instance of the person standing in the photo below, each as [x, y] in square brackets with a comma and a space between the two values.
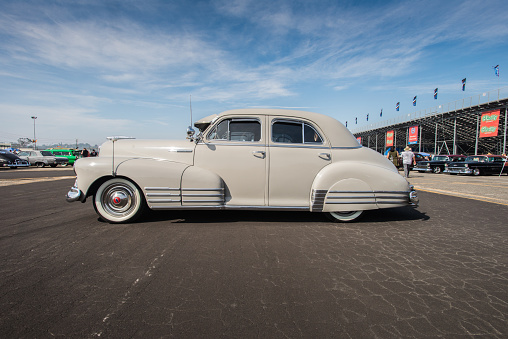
[393, 156]
[408, 158]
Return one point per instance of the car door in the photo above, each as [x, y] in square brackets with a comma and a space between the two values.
[235, 149]
[298, 150]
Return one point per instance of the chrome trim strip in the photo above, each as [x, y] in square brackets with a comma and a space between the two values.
[371, 192]
[299, 146]
[180, 150]
[350, 202]
[202, 201]
[152, 201]
[202, 189]
[353, 197]
[161, 189]
[203, 195]
[224, 207]
[162, 195]
[347, 147]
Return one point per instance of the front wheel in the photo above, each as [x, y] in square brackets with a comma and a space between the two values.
[476, 171]
[118, 200]
[436, 169]
[41, 164]
[344, 216]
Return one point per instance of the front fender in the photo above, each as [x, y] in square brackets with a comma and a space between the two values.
[352, 186]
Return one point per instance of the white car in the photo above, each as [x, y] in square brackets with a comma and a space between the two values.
[261, 159]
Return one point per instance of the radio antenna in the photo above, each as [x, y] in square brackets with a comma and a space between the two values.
[190, 102]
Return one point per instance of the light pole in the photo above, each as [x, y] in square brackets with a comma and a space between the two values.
[35, 140]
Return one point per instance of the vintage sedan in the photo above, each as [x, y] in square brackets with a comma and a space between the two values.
[43, 158]
[478, 165]
[260, 159]
[8, 159]
[438, 162]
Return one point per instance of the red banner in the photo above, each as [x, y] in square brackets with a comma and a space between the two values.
[389, 138]
[359, 140]
[413, 135]
[490, 124]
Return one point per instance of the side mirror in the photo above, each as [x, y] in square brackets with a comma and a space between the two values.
[190, 133]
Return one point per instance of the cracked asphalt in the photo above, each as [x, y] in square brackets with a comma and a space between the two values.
[438, 271]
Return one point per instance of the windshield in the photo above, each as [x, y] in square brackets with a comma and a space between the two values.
[477, 158]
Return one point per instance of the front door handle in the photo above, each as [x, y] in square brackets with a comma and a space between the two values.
[259, 154]
[325, 156]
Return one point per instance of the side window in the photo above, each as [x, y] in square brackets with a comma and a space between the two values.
[237, 130]
[295, 132]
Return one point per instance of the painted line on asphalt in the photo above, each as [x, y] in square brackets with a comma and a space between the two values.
[461, 195]
[21, 181]
[469, 183]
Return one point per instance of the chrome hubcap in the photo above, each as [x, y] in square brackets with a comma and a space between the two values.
[118, 199]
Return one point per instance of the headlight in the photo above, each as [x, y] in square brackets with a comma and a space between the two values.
[445, 165]
[428, 165]
[466, 165]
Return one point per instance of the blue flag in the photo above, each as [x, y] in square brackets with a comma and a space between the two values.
[346, 123]
[381, 114]
[356, 121]
[414, 101]
[435, 93]
[397, 106]
[496, 70]
[367, 117]
[463, 84]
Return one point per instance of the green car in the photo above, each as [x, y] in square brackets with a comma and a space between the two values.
[70, 154]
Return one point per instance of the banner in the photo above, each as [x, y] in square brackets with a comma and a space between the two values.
[413, 135]
[490, 124]
[359, 140]
[389, 138]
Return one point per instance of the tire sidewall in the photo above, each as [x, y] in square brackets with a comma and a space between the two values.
[134, 213]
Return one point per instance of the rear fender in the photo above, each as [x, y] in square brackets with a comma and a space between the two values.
[354, 186]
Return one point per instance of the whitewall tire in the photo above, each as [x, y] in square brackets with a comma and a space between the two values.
[344, 216]
[118, 201]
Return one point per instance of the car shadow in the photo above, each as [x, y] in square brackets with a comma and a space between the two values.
[178, 216]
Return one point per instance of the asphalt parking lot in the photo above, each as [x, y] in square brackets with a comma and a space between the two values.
[440, 270]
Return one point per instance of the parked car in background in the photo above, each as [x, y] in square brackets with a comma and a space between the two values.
[71, 154]
[252, 159]
[437, 164]
[478, 165]
[9, 159]
[43, 158]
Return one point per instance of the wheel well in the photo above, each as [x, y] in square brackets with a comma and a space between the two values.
[97, 183]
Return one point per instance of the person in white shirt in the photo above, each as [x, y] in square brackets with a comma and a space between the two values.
[408, 158]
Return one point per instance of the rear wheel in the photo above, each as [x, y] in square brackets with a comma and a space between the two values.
[118, 200]
[344, 216]
[41, 164]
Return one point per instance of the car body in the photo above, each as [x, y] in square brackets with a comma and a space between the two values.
[258, 159]
[437, 164]
[9, 159]
[70, 154]
[478, 165]
[43, 158]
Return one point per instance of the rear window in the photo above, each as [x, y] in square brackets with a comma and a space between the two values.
[47, 153]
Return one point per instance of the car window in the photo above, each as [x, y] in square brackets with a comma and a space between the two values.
[237, 130]
[295, 132]
[24, 154]
[46, 153]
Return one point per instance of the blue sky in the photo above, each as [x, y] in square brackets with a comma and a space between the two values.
[92, 69]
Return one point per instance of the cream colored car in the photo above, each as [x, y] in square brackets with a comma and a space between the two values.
[261, 159]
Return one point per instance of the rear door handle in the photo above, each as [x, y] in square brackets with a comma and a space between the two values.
[259, 154]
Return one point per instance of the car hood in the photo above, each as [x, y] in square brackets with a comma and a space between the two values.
[172, 150]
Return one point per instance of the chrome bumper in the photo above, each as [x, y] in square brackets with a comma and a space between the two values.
[74, 194]
[422, 169]
[413, 197]
[456, 170]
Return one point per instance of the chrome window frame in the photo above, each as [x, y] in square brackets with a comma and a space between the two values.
[296, 122]
[229, 120]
